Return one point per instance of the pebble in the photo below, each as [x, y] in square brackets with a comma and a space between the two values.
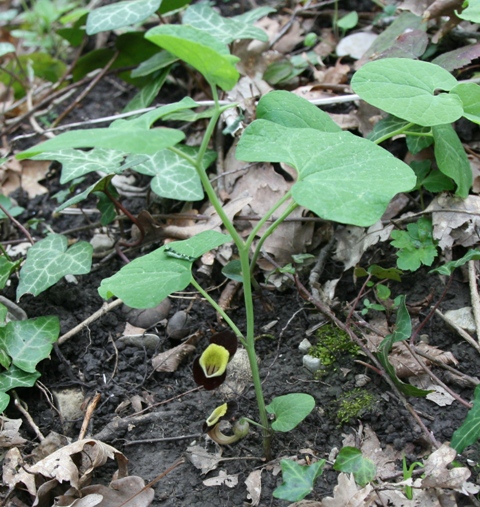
[311, 363]
[177, 327]
[305, 345]
[463, 317]
[146, 318]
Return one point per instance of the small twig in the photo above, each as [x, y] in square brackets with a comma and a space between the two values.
[106, 307]
[164, 439]
[177, 463]
[459, 330]
[88, 415]
[17, 224]
[471, 380]
[435, 378]
[195, 389]
[474, 296]
[28, 417]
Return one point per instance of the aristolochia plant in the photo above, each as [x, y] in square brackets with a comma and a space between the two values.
[340, 177]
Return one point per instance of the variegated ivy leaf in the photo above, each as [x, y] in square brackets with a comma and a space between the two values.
[30, 341]
[76, 163]
[203, 17]
[14, 377]
[49, 260]
[120, 14]
[173, 176]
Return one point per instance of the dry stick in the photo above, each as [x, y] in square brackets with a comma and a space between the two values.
[106, 307]
[28, 417]
[325, 310]
[18, 224]
[195, 389]
[435, 378]
[164, 439]
[471, 380]
[88, 415]
[474, 296]
[87, 90]
[177, 463]
[459, 330]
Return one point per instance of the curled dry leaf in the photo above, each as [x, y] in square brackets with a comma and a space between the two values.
[170, 360]
[254, 487]
[222, 479]
[72, 465]
[437, 475]
[128, 492]
[455, 221]
[347, 494]
[9, 434]
[202, 459]
[403, 362]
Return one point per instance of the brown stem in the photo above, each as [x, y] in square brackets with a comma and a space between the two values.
[18, 224]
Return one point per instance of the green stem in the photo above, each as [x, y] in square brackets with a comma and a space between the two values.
[220, 310]
[401, 130]
[243, 249]
[253, 422]
[250, 347]
[268, 232]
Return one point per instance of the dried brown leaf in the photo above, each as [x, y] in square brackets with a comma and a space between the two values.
[72, 464]
[455, 221]
[170, 360]
[222, 479]
[437, 475]
[9, 434]
[254, 487]
[347, 494]
[202, 459]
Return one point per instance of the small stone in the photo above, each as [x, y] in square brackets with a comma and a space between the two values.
[146, 318]
[311, 363]
[362, 380]
[463, 317]
[148, 340]
[305, 345]
[101, 243]
[177, 327]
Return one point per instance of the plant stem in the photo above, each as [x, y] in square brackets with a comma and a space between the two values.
[269, 231]
[220, 310]
[243, 250]
[397, 132]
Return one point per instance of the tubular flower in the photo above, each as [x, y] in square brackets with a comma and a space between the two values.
[209, 369]
[212, 425]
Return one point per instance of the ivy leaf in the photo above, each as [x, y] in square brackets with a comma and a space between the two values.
[409, 89]
[351, 461]
[200, 50]
[173, 176]
[290, 410]
[11, 379]
[30, 341]
[131, 140]
[77, 163]
[452, 159]
[10, 207]
[146, 281]
[416, 245]
[469, 431]
[341, 177]
[6, 269]
[120, 14]
[203, 17]
[298, 480]
[49, 260]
